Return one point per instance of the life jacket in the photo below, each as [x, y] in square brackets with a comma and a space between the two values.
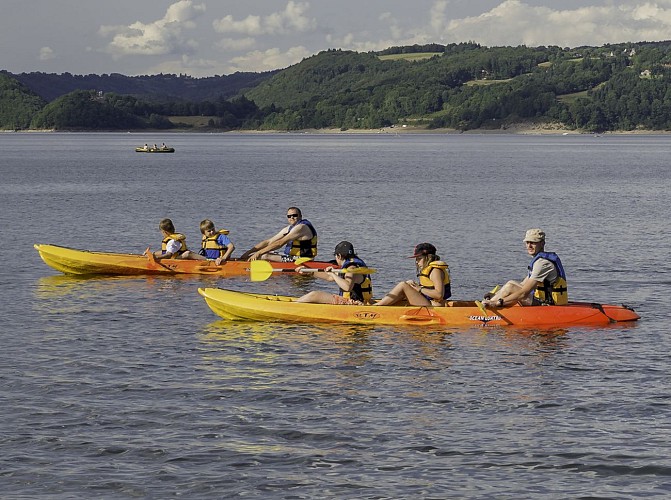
[551, 293]
[363, 291]
[303, 248]
[211, 248]
[425, 280]
[177, 236]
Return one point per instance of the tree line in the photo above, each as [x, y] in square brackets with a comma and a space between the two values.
[462, 86]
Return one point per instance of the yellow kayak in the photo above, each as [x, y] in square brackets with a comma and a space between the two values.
[234, 305]
[85, 262]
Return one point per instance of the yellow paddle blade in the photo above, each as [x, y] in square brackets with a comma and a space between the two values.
[357, 270]
[260, 270]
[481, 307]
[302, 260]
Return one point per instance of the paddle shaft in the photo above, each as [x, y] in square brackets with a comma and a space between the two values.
[261, 270]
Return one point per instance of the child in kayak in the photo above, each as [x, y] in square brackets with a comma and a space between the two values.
[354, 288]
[433, 288]
[215, 244]
[173, 245]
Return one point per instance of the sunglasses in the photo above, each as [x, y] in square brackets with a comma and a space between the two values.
[292, 216]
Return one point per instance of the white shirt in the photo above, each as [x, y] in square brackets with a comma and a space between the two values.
[173, 246]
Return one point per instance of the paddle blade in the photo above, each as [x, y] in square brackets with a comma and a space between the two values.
[359, 270]
[481, 307]
[302, 260]
[260, 270]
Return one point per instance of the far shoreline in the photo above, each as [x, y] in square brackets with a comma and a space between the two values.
[520, 128]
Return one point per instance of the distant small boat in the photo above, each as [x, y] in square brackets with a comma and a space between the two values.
[155, 150]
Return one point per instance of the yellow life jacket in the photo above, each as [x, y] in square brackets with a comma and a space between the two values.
[303, 248]
[555, 293]
[558, 291]
[425, 280]
[177, 236]
[363, 291]
[211, 243]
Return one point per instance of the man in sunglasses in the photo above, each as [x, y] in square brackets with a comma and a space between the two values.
[299, 239]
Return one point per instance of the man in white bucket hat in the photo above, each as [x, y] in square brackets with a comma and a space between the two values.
[545, 283]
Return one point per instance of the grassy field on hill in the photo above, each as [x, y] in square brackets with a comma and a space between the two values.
[410, 57]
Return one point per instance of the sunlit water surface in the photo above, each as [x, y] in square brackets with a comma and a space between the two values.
[131, 387]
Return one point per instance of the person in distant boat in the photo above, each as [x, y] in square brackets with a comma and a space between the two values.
[353, 288]
[163, 146]
[299, 239]
[215, 244]
[155, 146]
[146, 147]
[545, 282]
[434, 286]
[173, 245]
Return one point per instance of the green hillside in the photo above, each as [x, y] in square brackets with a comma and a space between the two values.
[17, 104]
[469, 86]
[460, 86]
[85, 110]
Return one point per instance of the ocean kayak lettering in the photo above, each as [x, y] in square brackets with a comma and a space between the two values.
[366, 315]
[484, 319]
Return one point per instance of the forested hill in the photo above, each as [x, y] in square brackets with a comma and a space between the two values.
[18, 104]
[461, 86]
[466, 86]
[49, 86]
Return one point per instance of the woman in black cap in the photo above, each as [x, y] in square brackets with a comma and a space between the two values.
[433, 288]
[353, 288]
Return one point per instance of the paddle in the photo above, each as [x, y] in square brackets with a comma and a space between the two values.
[481, 307]
[488, 296]
[261, 270]
[150, 255]
[492, 292]
[302, 260]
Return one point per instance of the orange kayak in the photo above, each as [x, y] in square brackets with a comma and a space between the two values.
[234, 305]
[84, 262]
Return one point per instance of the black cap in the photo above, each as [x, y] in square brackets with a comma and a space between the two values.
[423, 249]
[344, 248]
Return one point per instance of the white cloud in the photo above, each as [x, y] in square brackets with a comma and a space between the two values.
[437, 15]
[270, 59]
[291, 20]
[46, 54]
[393, 24]
[164, 36]
[236, 44]
[514, 22]
[251, 25]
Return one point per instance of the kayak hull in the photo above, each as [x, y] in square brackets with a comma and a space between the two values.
[84, 262]
[233, 305]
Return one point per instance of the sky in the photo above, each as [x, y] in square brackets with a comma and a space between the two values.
[204, 38]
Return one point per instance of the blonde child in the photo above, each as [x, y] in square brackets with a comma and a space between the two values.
[215, 244]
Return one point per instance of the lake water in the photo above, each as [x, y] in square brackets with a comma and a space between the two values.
[132, 388]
